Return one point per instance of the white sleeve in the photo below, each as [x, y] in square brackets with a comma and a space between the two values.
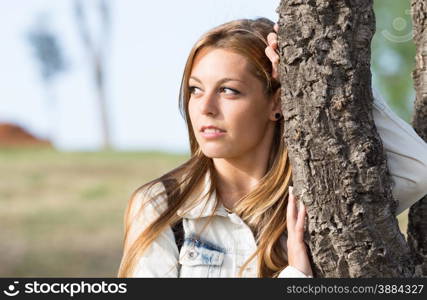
[406, 154]
[291, 272]
[161, 257]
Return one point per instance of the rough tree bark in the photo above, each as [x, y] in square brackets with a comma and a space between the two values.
[417, 218]
[339, 166]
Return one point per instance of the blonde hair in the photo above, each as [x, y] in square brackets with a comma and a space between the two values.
[264, 208]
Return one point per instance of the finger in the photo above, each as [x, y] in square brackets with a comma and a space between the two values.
[272, 38]
[291, 212]
[268, 53]
[274, 45]
[274, 58]
[272, 55]
[276, 27]
[299, 226]
[274, 72]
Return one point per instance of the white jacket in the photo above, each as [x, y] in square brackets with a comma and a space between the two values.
[227, 242]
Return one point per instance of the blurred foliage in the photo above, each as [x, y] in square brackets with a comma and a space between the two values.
[393, 55]
[47, 49]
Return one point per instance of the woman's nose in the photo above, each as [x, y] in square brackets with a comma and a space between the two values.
[209, 104]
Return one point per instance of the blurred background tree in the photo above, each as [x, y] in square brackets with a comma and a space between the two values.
[95, 39]
[48, 53]
[393, 55]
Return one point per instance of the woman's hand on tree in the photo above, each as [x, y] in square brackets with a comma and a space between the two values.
[271, 51]
[297, 250]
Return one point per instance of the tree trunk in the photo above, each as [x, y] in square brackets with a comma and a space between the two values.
[417, 218]
[96, 49]
[339, 166]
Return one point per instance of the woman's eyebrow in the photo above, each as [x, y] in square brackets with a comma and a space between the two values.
[220, 81]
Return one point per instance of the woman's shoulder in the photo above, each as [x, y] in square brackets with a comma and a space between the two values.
[150, 198]
[144, 207]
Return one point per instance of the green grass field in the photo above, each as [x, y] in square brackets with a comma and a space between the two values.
[61, 213]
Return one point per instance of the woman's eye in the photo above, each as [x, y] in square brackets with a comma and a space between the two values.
[192, 89]
[230, 91]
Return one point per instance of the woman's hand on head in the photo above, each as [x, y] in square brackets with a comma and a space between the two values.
[271, 51]
[297, 250]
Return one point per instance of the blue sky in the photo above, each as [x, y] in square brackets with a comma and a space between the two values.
[148, 48]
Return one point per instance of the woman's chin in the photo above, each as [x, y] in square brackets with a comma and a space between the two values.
[212, 153]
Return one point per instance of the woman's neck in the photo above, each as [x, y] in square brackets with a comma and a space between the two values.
[237, 177]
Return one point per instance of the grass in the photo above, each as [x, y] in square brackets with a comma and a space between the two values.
[61, 213]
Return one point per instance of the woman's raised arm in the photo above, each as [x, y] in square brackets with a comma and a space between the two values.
[406, 154]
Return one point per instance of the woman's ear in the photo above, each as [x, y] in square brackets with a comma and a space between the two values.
[276, 107]
[276, 96]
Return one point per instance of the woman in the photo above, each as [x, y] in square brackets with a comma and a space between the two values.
[234, 194]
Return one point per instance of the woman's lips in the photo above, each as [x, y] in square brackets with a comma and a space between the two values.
[212, 135]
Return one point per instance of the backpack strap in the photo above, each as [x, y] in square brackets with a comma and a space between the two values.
[178, 231]
[177, 228]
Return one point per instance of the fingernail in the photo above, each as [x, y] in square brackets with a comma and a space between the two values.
[290, 189]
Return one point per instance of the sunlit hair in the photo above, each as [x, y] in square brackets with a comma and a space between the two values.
[264, 208]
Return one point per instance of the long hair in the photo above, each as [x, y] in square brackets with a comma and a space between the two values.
[264, 208]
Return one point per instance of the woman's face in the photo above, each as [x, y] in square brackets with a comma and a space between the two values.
[224, 94]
